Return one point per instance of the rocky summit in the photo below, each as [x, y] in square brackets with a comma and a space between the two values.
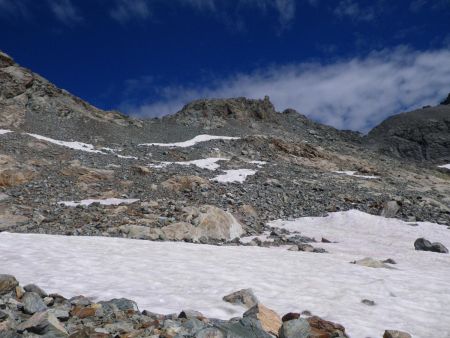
[216, 172]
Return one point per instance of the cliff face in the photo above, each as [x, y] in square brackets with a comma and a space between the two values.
[421, 135]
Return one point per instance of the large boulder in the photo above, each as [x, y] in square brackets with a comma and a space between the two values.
[33, 303]
[8, 283]
[244, 297]
[44, 323]
[207, 223]
[296, 328]
[425, 245]
[269, 319]
[396, 334]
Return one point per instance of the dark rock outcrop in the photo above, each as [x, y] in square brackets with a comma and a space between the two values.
[446, 101]
[213, 113]
[420, 135]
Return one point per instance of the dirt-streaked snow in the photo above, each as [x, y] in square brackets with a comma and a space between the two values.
[209, 163]
[5, 131]
[191, 142]
[354, 174]
[107, 201]
[167, 277]
[446, 166]
[234, 175]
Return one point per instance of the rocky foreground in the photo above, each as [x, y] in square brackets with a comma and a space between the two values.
[29, 311]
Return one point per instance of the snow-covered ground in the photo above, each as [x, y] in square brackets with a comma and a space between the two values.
[191, 142]
[446, 166]
[5, 131]
[167, 277]
[209, 163]
[354, 174]
[234, 175]
[107, 201]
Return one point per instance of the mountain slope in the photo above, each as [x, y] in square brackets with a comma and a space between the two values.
[421, 135]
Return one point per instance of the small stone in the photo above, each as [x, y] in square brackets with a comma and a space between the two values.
[290, 316]
[368, 302]
[324, 240]
[244, 297]
[371, 263]
[389, 261]
[80, 300]
[36, 289]
[33, 303]
[270, 320]
[396, 334]
[188, 314]
[210, 332]
[8, 283]
[19, 291]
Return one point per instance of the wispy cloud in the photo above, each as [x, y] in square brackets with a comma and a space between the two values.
[353, 94]
[14, 8]
[65, 12]
[130, 10]
[353, 10]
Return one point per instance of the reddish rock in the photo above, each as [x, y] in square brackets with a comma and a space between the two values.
[83, 312]
[321, 328]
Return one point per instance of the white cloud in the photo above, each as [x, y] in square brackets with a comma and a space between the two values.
[127, 10]
[353, 94]
[65, 11]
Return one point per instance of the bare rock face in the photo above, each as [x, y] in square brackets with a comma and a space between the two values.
[213, 113]
[189, 182]
[24, 94]
[421, 135]
[13, 173]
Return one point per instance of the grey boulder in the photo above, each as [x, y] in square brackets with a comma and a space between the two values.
[424, 245]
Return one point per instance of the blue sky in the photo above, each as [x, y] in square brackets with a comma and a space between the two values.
[347, 63]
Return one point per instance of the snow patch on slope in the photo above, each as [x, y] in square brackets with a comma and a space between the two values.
[82, 146]
[108, 201]
[191, 142]
[234, 175]
[72, 145]
[5, 131]
[354, 174]
[209, 163]
[446, 166]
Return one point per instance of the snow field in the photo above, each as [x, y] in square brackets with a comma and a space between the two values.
[167, 277]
